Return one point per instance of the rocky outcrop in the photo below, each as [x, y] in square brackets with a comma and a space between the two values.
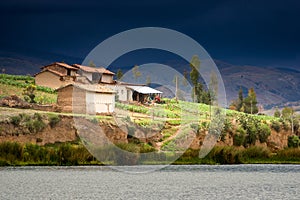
[14, 102]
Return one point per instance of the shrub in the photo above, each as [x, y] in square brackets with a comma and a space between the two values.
[264, 132]
[225, 155]
[293, 141]
[251, 134]
[38, 116]
[239, 137]
[15, 120]
[275, 125]
[53, 120]
[196, 127]
[35, 126]
[255, 152]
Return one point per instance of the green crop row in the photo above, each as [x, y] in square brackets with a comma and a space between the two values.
[7, 80]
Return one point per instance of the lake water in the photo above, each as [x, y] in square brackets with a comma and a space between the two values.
[173, 182]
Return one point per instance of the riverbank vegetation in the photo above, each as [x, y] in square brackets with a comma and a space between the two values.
[75, 153]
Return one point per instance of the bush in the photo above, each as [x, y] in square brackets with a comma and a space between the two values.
[53, 120]
[239, 137]
[293, 141]
[225, 155]
[35, 126]
[251, 134]
[255, 152]
[264, 132]
[15, 120]
[275, 125]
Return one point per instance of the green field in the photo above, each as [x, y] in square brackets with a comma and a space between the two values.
[15, 84]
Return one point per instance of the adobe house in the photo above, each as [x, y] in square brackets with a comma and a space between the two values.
[86, 99]
[55, 75]
[95, 75]
[58, 74]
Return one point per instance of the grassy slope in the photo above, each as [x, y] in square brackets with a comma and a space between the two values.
[14, 85]
[172, 112]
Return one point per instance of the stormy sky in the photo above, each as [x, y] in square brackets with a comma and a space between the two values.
[244, 32]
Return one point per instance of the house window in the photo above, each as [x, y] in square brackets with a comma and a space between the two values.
[96, 77]
[68, 72]
[122, 92]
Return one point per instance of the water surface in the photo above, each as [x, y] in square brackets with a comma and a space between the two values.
[173, 182]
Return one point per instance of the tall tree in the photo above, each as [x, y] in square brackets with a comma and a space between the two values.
[277, 113]
[119, 74]
[250, 102]
[240, 100]
[194, 74]
[185, 78]
[213, 86]
[136, 72]
[287, 112]
[175, 80]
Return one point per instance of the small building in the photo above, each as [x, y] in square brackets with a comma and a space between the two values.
[56, 75]
[86, 99]
[128, 92]
[95, 75]
[143, 93]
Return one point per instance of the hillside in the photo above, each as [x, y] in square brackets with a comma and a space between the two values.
[275, 86]
[15, 84]
[163, 131]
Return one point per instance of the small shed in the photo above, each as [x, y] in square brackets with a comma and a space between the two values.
[142, 93]
[86, 99]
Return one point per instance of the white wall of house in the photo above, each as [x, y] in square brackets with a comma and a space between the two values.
[106, 78]
[99, 102]
[123, 93]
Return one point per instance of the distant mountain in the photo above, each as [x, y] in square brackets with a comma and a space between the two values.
[13, 63]
[274, 86]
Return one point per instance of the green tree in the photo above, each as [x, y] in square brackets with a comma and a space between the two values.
[119, 74]
[194, 75]
[277, 113]
[136, 72]
[29, 93]
[240, 100]
[250, 102]
[185, 78]
[287, 112]
[92, 64]
[213, 88]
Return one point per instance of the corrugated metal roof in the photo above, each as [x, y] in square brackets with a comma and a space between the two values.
[144, 89]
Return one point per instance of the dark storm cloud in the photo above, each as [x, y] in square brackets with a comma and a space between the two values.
[241, 31]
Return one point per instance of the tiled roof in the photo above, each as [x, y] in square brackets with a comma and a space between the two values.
[61, 64]
[52, 71]
[93, 69]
